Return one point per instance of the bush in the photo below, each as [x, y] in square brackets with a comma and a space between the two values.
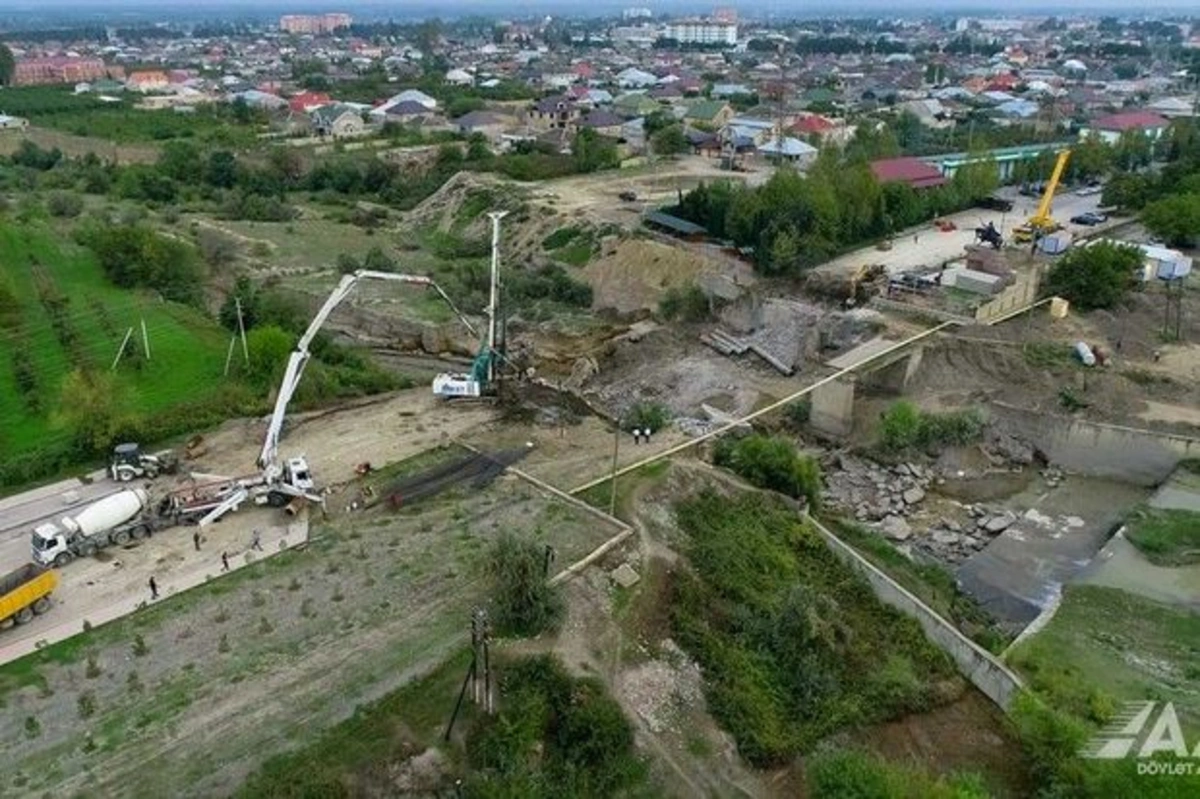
[524, 603]
[64, 204]
[216, 248]
[1097, 276]
[903, 426]
[773, 464]
[688, 303]
[550, 282]
[652, 416]
[135, 256]
[848, 773]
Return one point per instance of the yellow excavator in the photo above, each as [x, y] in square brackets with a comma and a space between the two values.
[1041, 223]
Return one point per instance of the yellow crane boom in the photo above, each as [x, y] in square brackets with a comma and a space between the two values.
[1042, 218]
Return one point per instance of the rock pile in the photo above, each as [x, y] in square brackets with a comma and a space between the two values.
[953, 542]
[877, 493]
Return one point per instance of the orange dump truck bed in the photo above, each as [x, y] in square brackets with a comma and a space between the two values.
[26, 592]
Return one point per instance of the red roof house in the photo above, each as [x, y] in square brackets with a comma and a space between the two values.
[304, 102]
[1131, 120]
[912, 171]
[813, 123]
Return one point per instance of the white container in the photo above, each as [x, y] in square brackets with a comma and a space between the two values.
[1085, 354]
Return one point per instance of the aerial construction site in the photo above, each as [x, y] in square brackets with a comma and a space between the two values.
[560, 488]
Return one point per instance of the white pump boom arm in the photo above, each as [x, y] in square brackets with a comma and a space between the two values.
[268, 458]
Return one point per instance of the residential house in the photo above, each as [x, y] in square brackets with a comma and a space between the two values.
[1172, 107]
[930, 111]
[913, 171]
[713, 113]
[487, 123]
[407, 112]
[1110, 127]
[635, 104]
[552, 113]
[724, 90]
[755, 128]
[812, 125]
[791, 150]
[634, 78]
[256, 99]
[459, 77]
[413, 95]
[338, 121]
[606, 123]
[149, 80]
[1015, 110]
[306, 102]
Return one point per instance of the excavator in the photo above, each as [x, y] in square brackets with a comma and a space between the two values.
[1041, 223]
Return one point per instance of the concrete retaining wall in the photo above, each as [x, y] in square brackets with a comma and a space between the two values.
[1134, 455]
[984, 670]
[1018, 295]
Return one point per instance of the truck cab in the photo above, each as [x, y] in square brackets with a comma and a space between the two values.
[50, 545]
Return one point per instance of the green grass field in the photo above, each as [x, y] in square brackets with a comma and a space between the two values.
[187, 349]
[1166, 537]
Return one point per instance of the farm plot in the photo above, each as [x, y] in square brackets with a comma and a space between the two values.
[186, 698]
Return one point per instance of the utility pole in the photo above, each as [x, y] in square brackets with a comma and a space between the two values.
[229, 355]
[121, 351]
[612, 499]
[494, 298]
[242, 330]
[145, 338]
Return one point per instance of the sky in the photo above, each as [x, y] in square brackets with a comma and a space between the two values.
[520, 7]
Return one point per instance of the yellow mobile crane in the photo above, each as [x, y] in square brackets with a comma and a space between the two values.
[1041, 222]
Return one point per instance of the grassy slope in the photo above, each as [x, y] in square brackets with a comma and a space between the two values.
[1167, 537]
[1106, 646]
[187, 349]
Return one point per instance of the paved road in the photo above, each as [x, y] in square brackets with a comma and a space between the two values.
[19, 514]
[927, 247]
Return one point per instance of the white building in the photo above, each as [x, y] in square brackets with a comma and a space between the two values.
[697, 31]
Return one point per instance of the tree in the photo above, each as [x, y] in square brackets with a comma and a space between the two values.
[525, 603]
[180, 160]
[1097, 276]
[1175, 219]
[221, 169]
[268, 347]
[669, 140]
[91, 409]
[657, 120]
[976, 180]
[1133, 150]
[1127, 191]
[590, 151]
[8, 65]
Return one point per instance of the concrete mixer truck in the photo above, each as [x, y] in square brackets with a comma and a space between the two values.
[117, 519]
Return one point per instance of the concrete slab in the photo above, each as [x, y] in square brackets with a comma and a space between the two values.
[1057, 533]
[863, 352]
[1121, 565]
[1181, 491]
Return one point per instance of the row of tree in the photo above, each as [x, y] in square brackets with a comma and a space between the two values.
[793, 222]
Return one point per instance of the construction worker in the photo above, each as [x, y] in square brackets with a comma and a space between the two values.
[224, 561]
[256, 540]
[196, 540]
[153, 588]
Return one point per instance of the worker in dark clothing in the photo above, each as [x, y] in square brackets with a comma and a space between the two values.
[256, 541]
[224, 562]
[196, 540]
[153, 589]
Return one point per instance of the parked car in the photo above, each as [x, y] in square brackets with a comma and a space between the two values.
[1089, 219]
[995, 204]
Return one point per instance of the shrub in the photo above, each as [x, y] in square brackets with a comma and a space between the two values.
[64, 204]
[904, 426]
[216, 248]
[652, 416]
[524, 603]
[773, 464]
[688, 303]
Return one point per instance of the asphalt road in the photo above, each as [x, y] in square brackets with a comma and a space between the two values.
[19, 514]
[926, 247]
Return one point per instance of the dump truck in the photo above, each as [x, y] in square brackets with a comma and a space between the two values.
[116, 519]
[25, 593]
